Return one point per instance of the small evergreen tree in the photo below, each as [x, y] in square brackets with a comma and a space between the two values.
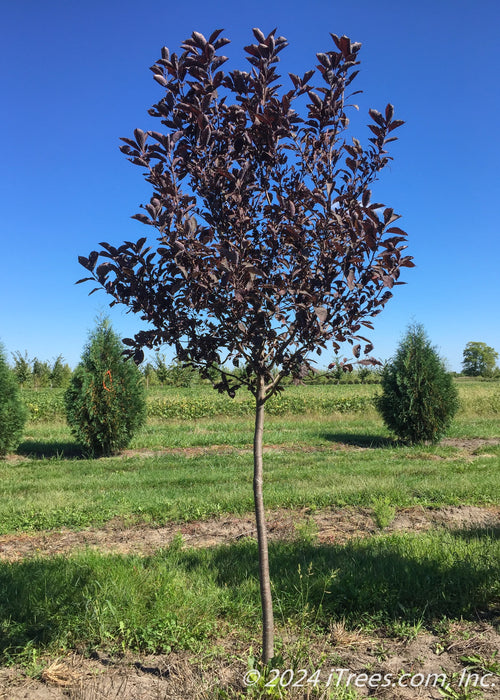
[41, 374]
[60, 373]
[336, 371]
[105, 401]
[419, 398]
[161, 368]
[22, 368]
[149, 373]
[180, 375]
[13, 412]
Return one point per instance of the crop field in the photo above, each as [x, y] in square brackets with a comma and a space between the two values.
[136, 576]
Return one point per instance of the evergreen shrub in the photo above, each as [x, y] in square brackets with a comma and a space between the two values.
[419, 398]
[13, 412]
[106, 399]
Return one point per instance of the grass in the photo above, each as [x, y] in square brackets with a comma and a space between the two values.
[184, 598]
[187, 599]
[57, 486]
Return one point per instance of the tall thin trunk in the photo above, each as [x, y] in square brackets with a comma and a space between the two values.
[265, 580]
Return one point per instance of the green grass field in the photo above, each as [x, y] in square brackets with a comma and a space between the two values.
[185, 469]
[202, 468]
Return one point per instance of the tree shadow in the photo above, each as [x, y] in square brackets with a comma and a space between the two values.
[360, 440]
[37, 597]
[478, 532]
[381, 580]
[374, 581]
[37, 449]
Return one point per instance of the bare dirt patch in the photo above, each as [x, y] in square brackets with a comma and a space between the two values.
[470, 445]
[467, 445]
[330, 525]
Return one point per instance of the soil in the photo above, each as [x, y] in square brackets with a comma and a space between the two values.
[464, 651]
[332, 526]
[183, 676]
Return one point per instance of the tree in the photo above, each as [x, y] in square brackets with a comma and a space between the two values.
[60, 373]
[364, 374]
[181, 376]
[161, 367]
[336, 370]
[148, 372]
[41, 374]
[419, 398]
[479, 360]
[22, 367]
[268, 247]
[13, 412]
[105, 400]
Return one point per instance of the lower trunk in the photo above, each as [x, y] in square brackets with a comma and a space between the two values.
[265, 581]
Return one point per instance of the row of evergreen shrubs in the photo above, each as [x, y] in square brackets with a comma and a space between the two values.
[105, 403]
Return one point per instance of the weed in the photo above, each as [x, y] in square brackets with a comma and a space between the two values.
[307, 531]
[407, 630]
[450, 692]
[478, 662]
[381, 652]
[383, 512]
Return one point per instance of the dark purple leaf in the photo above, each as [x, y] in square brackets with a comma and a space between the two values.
[377, 117]
[140, 137]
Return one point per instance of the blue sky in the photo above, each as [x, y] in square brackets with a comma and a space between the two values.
[75, 77]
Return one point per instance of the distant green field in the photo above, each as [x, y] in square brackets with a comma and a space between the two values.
[201, 401]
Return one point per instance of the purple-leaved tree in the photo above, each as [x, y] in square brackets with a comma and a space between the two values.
[268, 248]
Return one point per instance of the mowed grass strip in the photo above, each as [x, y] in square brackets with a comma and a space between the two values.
[186, 598]
[196, 470]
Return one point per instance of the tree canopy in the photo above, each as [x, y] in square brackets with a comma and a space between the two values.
[479, 360]
[269, 245]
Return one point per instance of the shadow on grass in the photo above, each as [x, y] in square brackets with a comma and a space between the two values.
[83, 600]
[49, 450]
[28, 616]
[359, 440]
[394, 577]
[471, 533]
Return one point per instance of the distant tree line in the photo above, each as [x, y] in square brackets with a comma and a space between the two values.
[158, 373]
[479, 360]
[38, 374]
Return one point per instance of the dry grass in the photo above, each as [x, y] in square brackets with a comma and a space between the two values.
[60, 674]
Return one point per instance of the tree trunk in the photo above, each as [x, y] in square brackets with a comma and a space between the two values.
[265, 581]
